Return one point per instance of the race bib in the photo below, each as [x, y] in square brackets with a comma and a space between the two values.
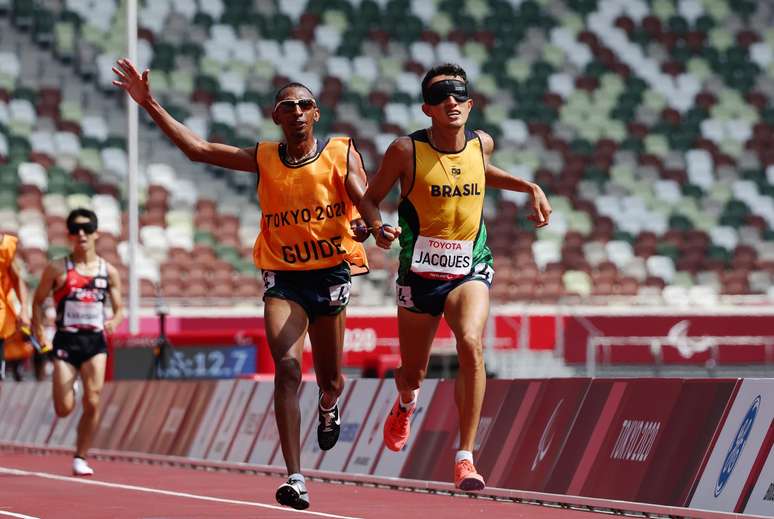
[268, 279]
[340, 294]
[403, 296]
[78, 314]
[447, 258]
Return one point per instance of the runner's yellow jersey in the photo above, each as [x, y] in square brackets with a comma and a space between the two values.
[306, 211]
[442, 214]
[7, 310]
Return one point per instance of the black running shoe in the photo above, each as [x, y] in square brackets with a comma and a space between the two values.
[293, 494]
[329, 427]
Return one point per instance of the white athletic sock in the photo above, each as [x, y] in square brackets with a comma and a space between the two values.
[297, 476]
[463, 455]
[408, 405]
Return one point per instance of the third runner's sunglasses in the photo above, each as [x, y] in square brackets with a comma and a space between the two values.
[288, 105]
[87, 228]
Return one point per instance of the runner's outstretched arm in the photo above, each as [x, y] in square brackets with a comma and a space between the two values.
[45, 286]
[195, 148]
[116, 300]
[356, 184]
[389, 172]
[500, 179]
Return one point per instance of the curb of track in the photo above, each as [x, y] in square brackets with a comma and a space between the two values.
[613, 507]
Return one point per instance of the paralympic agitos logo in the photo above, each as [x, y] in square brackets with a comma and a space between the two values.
[735, 450]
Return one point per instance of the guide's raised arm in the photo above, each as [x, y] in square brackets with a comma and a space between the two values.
[195, 147]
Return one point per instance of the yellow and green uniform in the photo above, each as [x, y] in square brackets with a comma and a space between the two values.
[443, 242]
[305, 248]
[444, 235]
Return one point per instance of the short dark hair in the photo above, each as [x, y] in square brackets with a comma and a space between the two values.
[81, 212]
[446, 69]
[292, 84]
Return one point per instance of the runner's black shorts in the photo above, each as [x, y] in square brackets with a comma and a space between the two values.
[78, 347]
[320, 292]
[428, 296]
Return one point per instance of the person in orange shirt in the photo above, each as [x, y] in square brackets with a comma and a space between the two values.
[10, 281]
[308, 249]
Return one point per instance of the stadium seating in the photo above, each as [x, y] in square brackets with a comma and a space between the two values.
[648, 124]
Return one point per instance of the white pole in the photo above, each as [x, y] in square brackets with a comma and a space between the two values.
[131, 146]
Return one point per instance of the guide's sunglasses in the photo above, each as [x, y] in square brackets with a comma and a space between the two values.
[75, 228]
[438, 92]
[289, 105]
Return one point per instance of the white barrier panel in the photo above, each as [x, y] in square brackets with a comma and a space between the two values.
[353, 416]
[309, 404]
[7, 394]
[255, 413]
[267, 440]
[211, 419]
[40, 401]
[391, 463]
[370, 443]
[761, 501]
[17, 410]
[66, 429]
[737, 447]
[6, 397]
[40, 434]
[311, 454]
[231, 418]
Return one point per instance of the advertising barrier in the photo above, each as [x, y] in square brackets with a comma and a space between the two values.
[232, 417]
[354, 414]
[507, 429]
[207, 427]
[545, 432]
[629, 443]
[761, 498]
[684, 441]
[369, 443]
[173, 421]
[390, 463]
[738, 447]
[703, 443]
[204, 390]
[255, 413]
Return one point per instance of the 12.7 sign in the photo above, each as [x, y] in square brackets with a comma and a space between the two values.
[191, 362]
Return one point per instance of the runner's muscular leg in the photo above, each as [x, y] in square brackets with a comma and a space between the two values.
[93, 378]
[286, 323]
[466, 311]
[416, 332]
[327, 337]
[62, 387]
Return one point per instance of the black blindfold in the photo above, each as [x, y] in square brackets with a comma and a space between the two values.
[438, 92]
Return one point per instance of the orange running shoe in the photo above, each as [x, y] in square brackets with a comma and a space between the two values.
[397, 426]
[466, 478]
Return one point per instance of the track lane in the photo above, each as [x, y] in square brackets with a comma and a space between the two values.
[40, 486]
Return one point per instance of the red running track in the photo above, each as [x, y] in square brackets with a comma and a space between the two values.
[39, 486]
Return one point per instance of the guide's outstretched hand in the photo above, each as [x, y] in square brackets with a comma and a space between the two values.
[130, 80]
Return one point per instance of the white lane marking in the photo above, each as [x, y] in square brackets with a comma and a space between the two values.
[20, 516]
[82, 481]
